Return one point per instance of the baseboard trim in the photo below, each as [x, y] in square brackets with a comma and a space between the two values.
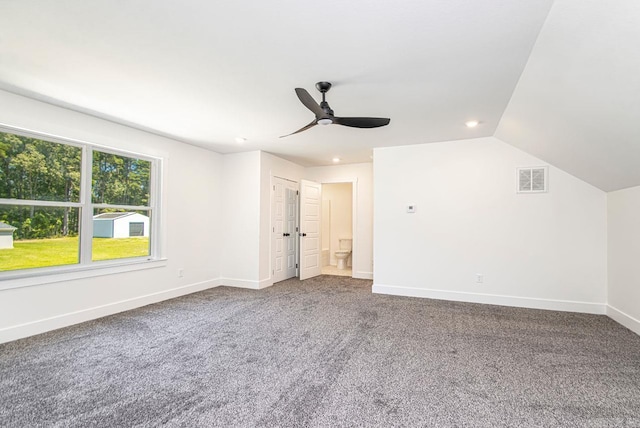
[493, 299]
[363, 275]
[8, 334]
[626, 320]
[246, 283]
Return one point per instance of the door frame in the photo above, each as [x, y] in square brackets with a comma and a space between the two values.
[354, 214]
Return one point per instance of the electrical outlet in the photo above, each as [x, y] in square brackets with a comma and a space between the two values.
[180, 273]
[479, 278]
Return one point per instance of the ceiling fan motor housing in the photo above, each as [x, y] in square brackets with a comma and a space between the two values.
[323, 86]
[325, 107]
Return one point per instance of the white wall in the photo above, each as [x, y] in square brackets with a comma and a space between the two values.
[191, 187]
[240, 243]
[624, 253]
[247, 216]
[535, 250]
[340, 212]
[325, 228]
[363, 194]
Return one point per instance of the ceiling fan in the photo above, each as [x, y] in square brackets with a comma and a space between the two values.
[324, 114]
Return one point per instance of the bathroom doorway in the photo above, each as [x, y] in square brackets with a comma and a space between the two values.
[337, 230]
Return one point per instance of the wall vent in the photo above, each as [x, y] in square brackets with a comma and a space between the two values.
[533, 179]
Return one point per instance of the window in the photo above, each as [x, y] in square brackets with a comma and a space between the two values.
[64, 203]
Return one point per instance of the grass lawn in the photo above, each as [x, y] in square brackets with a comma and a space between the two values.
[64, 251]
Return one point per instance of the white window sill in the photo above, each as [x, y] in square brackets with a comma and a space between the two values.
[30, 277]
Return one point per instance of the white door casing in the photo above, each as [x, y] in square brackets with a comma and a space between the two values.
[310, 209]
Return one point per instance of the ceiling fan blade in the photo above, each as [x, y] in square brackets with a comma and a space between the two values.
[304, 128]
[309, 102]
[361, 122]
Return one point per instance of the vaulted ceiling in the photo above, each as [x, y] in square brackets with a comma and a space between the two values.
[557, 79]
[577, 103]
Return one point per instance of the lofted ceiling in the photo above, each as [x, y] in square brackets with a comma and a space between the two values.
[206, 72]
[577, 104]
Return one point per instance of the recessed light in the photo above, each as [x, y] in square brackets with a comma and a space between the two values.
[335, 160]
[472, 123]
[240, 140]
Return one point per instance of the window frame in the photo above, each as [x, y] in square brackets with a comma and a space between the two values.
[86, 266]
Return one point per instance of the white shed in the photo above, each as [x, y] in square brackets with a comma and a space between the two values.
[6, 235]
[120, 225]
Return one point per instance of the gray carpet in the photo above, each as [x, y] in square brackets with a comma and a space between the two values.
[324, 353]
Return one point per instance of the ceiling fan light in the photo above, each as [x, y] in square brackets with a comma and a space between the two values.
[324, 121]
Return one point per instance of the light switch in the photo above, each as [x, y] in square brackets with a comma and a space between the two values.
[411, 208]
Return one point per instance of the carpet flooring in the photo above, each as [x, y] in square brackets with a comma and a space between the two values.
[324, 353]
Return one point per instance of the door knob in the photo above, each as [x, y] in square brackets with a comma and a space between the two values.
[303, 234]
[286, 234]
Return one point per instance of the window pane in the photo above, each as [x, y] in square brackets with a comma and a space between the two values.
[38, 170]
[120, 180]
[32, 237]
[119, 234]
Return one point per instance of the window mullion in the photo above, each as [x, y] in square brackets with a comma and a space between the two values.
[39, 203]
[154, 202]
[122, 207]
[86, 229]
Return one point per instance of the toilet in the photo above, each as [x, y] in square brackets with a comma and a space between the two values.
[343, 253]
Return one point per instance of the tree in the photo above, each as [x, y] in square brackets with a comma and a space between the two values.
[120, 179]
[39, 170]
[33, 168]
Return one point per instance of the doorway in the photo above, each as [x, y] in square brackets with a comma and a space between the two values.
[297, 228]
[337, 229]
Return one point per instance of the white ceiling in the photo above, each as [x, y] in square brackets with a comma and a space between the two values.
[205, 72]
[577, 104]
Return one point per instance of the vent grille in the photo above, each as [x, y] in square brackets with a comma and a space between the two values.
[532, 180]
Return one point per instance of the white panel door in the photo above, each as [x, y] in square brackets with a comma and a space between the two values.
[310, 208]
[291, 221]
[279, 271]
[284, 227]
